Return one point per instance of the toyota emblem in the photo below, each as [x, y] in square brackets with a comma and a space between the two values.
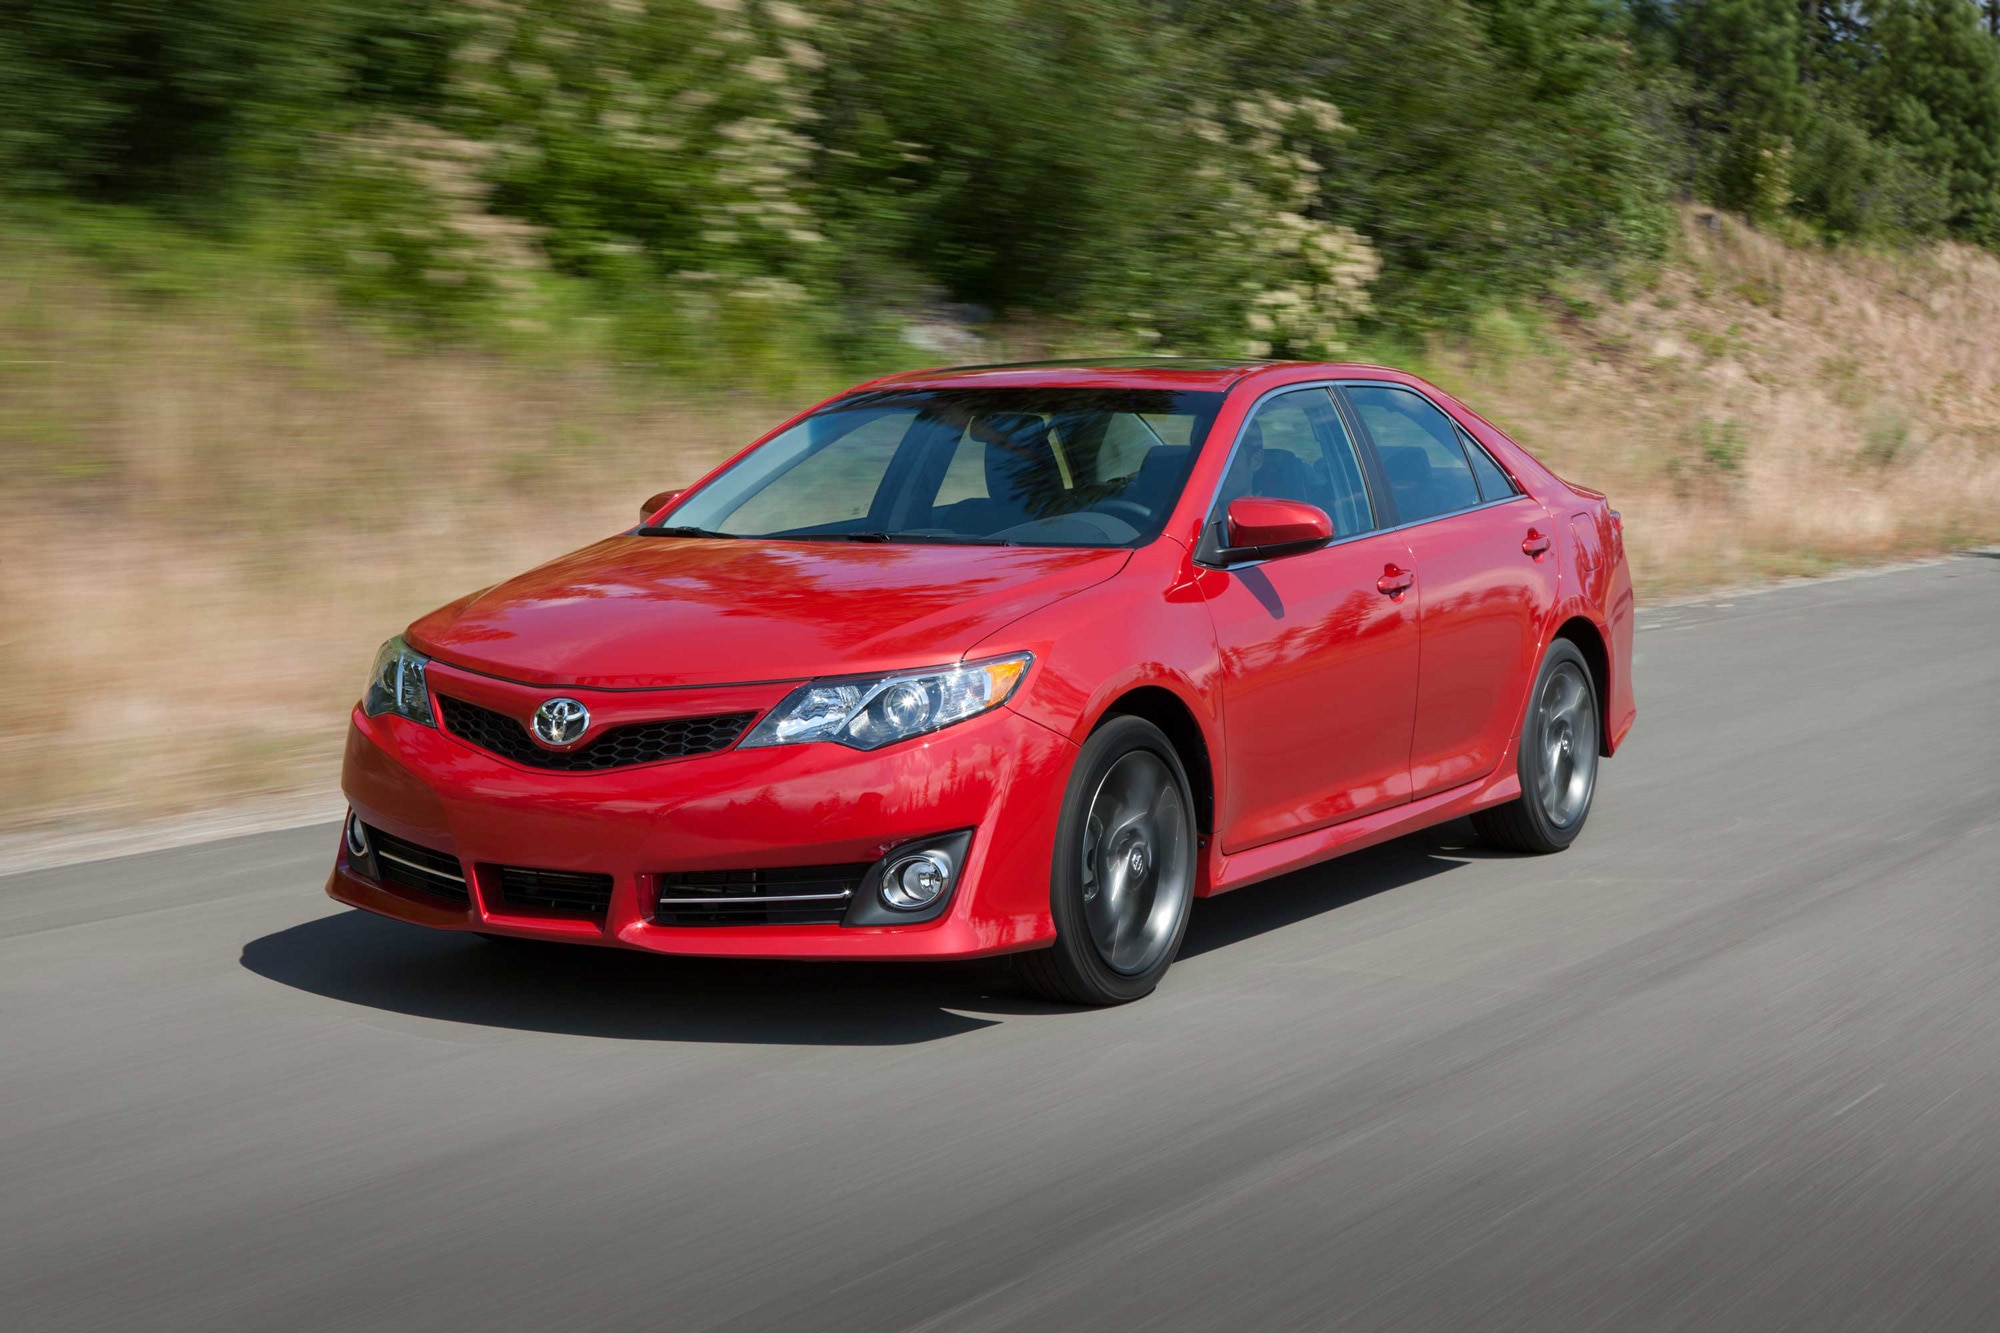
[561, 721]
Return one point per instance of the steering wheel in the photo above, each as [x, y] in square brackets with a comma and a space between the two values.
[1139, 516]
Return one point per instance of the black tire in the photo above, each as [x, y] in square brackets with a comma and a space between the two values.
[1559, 749]
[1121, 888]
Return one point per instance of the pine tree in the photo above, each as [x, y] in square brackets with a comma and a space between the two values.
[1746, 57]
[1936, 89]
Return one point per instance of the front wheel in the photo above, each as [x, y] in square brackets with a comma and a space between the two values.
[1122, 884]
[1558, 763]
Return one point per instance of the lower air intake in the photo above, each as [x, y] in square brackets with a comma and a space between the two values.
[790, 896]
[408, 865]
[563, 891]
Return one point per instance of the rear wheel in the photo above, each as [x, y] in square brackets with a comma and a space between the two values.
[1558, 760]
[1122, 884]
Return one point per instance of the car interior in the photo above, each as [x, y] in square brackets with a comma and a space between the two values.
[1088, 477]
[1282, 456]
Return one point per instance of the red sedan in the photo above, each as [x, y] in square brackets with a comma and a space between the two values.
[1006, 660]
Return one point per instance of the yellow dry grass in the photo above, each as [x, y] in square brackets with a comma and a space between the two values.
[1766, 409]
[215, 514]
[211, 528]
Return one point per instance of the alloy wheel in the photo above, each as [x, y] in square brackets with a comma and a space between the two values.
[1568, 740]
[1138, 867]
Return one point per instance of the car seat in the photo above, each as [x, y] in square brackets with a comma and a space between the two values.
[1022, 476]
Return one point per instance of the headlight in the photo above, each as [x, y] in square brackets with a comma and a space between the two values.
[396, 684]
[868, 714]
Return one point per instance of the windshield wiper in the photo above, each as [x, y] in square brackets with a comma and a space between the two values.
[932, 538]
[877, 536]
[671, 531]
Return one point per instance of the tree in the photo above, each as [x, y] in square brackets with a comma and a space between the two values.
[1746, 57]
[1496, 142]
[1936, 90]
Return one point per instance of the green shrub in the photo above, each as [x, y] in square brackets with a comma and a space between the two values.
[799, 179]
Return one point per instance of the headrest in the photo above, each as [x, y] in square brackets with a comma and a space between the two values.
[1162, 463]
[1282, 475]
[1161, 458]
[1019, 458]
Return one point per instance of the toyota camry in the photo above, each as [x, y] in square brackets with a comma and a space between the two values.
[1008, 660]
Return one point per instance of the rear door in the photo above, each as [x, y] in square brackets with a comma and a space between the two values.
[1319, 662]
[1485, 560]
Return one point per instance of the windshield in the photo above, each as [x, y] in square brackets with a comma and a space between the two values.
[1031, 466]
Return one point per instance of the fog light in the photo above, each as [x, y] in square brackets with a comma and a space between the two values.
[915, 881]
[357, 836]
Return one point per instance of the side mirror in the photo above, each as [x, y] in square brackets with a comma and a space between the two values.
[1258, 528]
[655, 503]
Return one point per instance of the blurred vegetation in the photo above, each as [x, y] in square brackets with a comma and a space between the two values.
[772, 188]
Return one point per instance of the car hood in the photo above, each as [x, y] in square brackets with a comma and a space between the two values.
[656, 612]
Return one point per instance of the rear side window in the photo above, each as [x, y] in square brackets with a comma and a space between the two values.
[1494, 483]
[1295, 448]
[1418, 444]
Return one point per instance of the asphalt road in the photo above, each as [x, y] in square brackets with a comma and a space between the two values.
[1733, 1061]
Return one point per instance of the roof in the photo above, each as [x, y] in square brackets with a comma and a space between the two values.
[1114, 372]
[1110, 372]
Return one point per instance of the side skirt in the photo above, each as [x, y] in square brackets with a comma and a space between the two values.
[1277, 858]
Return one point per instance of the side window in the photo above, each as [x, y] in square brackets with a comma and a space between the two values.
[1295, 448]
[1494, 483]
[1419, 447]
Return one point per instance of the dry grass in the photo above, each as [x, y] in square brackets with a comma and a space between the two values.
[1766, 409]
[211, 523]
[214, 514]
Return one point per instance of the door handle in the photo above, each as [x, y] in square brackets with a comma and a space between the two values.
[1535, 545]
[1395, 581]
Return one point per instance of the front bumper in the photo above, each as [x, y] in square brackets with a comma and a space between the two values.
[999, 774]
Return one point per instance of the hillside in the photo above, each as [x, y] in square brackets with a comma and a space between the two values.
[1765, 409]
[220, 504]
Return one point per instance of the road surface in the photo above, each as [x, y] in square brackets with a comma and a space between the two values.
[1733, 1061]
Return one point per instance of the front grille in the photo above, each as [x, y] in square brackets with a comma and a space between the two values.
[555, 890]
[410, 866]
[620, 747]
[793, 896]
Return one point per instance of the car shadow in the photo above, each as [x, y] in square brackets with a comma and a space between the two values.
[362, 959]
[1331, 885]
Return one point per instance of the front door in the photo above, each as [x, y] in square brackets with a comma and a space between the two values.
[1485, 559]
[1319, 663]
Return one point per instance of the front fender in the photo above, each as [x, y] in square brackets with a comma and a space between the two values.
[1145, 627]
